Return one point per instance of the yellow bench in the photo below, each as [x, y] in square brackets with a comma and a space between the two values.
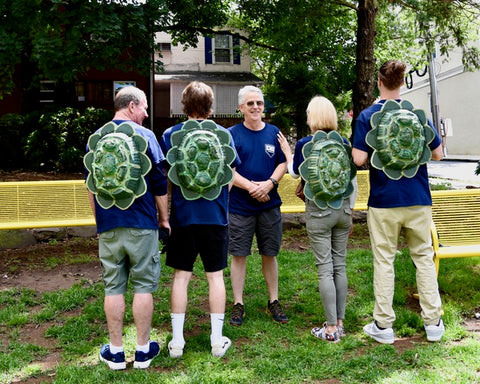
[455, 227]
[456, 224]
[42, 204]
[39, 204]
[292, 204]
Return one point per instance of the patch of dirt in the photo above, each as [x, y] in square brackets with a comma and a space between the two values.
[39, 176]
[49, 267]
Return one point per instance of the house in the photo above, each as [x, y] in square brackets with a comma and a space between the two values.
[457, 100]
[220, 61]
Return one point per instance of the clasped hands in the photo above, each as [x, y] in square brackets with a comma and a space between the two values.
[260, 189]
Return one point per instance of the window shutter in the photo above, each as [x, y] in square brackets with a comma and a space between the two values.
[236, 49]
[208, 50]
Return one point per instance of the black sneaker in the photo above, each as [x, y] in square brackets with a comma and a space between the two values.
[142, 359]
[275, 310]
[115, 361]
[238, 314]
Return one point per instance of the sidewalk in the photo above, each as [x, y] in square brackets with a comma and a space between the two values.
[460, 174]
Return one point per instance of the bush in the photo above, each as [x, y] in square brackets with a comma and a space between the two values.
[59, 141]
[12, 128]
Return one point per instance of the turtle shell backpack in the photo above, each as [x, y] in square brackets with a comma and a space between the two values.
[200, 159]
[328, 170]
[399, 137]
[117, 164]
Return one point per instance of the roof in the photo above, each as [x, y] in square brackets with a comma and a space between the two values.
[210, 77]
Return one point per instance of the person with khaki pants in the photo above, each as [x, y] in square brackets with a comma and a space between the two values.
[399, 198]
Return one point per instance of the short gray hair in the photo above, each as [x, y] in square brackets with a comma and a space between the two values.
[248, 88]
[126, 95]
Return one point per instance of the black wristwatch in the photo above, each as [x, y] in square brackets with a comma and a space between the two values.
[275, 182]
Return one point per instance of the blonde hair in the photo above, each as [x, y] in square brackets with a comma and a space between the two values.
[321, 115]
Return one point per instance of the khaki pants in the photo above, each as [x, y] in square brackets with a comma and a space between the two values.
[384, 225]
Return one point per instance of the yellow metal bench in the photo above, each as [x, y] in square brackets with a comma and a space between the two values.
[42, 204]
[292, 204]
[455, 227]
[456, 224]
[39, 204]
[64, 203]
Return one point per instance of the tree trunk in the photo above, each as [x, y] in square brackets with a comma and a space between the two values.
[364, 86]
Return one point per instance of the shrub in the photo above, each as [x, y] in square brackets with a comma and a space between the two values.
[59, 141]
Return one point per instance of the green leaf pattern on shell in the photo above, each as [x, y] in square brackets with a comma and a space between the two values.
[328, 170]
[399, 137]
[116, 164]
[200, 159]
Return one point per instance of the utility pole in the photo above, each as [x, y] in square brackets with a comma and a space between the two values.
[434, 94]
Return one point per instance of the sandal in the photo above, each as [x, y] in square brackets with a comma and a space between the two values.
[320, 333]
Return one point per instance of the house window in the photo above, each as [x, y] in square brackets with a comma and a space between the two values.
[165, 47]
[223, 48]
[47, 91]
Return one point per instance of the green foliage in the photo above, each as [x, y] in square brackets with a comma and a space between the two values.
[12, 130]
[60, 139]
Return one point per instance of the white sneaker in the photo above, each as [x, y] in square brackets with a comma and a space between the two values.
[219, 350]
[384, 336]
[175, 351]
[435, 332]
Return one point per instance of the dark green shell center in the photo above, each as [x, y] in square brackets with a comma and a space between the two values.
[328, 169]
[400, 139]
[200, 161]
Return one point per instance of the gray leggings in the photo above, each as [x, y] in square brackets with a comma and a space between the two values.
[328, 232]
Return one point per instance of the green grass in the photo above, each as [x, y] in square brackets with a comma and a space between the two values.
[262, 351]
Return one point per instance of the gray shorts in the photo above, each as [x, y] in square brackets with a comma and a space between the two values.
[266, 226]
[130, 252]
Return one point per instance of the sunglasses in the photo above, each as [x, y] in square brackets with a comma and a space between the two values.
[252, 103]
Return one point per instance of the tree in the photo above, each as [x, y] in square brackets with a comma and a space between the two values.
[362, 32]
[61, 39]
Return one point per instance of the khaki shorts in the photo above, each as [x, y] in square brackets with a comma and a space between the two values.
[130, 252]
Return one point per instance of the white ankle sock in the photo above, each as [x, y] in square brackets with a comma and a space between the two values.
[143, 348]
[178, 319]
[114, 349]
[216, 320]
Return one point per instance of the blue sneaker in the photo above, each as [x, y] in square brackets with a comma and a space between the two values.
[115, 361]
[142, 359]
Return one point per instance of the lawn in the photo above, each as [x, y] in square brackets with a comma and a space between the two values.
[263, 351]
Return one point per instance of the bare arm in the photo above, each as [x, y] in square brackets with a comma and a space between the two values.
[91, 199]
[437, 153]
[287, 151]
[359, 157]
[162, 208]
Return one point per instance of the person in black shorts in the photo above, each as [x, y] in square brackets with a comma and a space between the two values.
[199, 227]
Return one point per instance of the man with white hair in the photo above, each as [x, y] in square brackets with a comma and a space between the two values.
[255, 202]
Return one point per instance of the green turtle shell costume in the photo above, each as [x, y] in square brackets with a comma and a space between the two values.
[117, 165]
[399, 137]
[200, 159]
[328, 170]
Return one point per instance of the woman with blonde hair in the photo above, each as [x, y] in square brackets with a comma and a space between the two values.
[328, 228]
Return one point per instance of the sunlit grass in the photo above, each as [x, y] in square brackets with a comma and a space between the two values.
[262, 351]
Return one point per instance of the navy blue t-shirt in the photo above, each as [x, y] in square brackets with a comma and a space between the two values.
[200, 211]
[385, 192]
[143, 212]
[260, 153]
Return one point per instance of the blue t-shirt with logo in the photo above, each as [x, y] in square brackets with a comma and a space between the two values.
[260, 153]
[385, 192]
[143, 212]
[200, 211]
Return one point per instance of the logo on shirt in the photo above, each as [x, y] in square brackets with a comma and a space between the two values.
[269, 150]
